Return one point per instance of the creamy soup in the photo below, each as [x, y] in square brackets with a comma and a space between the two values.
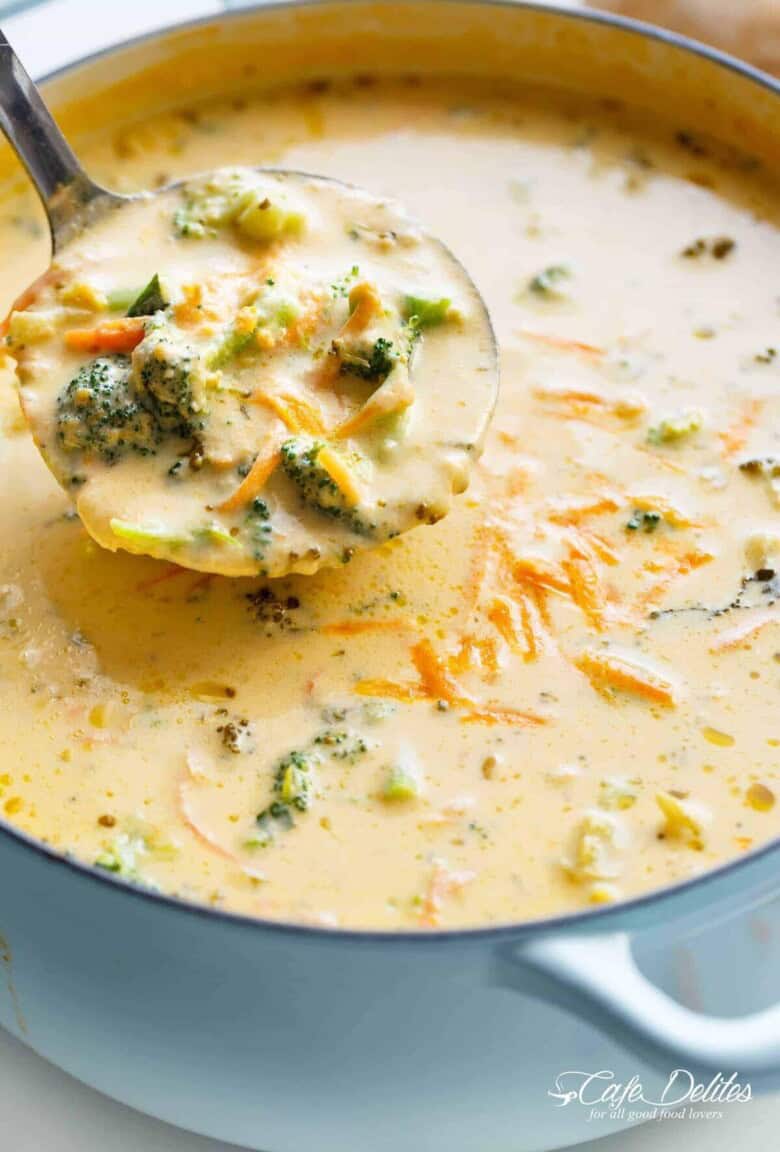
[266, 404]
[565, 692]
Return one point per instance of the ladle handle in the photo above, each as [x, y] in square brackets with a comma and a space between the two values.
[63, 186]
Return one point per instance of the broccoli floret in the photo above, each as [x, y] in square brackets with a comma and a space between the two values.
[318, 490]
[374, 363]
[292, 781]
[99, 413]
[162, 372]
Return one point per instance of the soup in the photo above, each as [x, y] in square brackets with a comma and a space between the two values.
[562, 694]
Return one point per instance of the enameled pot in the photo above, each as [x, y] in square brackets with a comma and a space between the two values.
[289, 1038]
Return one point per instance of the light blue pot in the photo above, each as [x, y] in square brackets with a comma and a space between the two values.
[290, 1039]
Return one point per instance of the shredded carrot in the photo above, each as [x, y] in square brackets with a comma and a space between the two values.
[341, 474]
[600, 546]
[297, 414]
[389, 689]
[736, 437]
[585, 404]
[365, 304]
[533, 628]
[433, 676]
[170, 571]
[585, 588]
[112, 336]
[501, 616]
[541, 573]
[202, 834]
[692, 560]
[480, 554]
[488, 654]
[464, 658]
[607, 671]
[443, 883]
[563, 344]
[573, 511]
[670, 569]
[395, 395]
[662, 461]
[493, 714]
[306, 323]
[736, 637]
[254, 481]
[670, 512]
[435, 684]
[358, 627]
[538, 597]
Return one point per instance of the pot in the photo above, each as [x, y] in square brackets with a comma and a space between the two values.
[283, 1037]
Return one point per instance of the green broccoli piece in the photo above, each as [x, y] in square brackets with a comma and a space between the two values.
[258, 526]
[548, 283]
[646, 521]
[292, 786]
[209, 204]
[674, 429]
[374, 363]
[99, 413]
[261, 218]
[292, 781]
[400, 785]
[317, 489]
[151, 299]
[162, 373]
[425, 313]
[231, 345]
[270, 822]
[121, 857]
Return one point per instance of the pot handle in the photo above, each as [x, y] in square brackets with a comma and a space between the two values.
[597, 978]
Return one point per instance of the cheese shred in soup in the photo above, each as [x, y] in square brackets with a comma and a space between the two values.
[561, 695]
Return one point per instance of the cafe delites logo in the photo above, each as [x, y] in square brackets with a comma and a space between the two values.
[683, 1097]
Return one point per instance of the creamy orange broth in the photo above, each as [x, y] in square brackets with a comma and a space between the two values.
[565, 692]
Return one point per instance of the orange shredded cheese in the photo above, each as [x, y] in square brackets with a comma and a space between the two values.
[607, 671]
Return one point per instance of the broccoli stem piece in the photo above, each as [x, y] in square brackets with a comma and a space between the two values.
[425, 313]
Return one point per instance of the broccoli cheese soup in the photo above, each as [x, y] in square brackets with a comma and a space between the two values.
[266, 404]
[562, 694]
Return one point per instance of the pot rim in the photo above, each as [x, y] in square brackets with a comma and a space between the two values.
[603, 917]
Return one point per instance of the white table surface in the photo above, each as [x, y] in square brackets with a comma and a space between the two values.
[41, 1108]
